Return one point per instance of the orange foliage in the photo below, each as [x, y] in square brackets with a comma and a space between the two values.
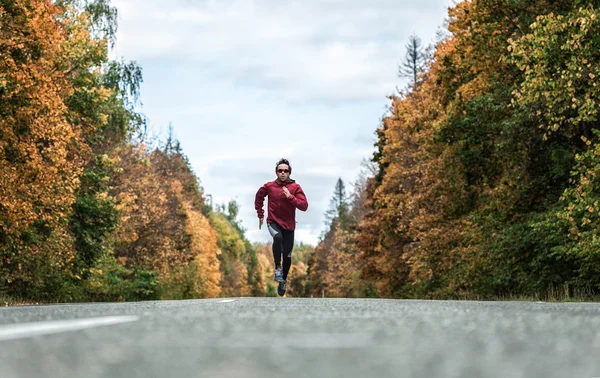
[40, 151]
[161, 228]
[204, 246]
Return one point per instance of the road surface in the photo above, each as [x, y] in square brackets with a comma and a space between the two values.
[293, 337]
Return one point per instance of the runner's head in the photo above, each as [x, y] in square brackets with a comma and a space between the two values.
[283, 169]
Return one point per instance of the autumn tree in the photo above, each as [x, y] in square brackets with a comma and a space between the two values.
[42, 151]
[232, 255]
[467, 195]
[89, 210]
[560, 65]
[333, 268]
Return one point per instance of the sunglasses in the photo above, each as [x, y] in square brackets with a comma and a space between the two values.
[283, 171]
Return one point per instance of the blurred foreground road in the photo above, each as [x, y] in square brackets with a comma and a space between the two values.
[293, 337]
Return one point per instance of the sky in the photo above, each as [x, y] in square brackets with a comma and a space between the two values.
[244, 83]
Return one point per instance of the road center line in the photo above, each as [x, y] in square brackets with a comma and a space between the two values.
[227, 300]
[19, 331]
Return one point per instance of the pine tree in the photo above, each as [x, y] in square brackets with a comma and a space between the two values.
[338, 207]
[414, 60]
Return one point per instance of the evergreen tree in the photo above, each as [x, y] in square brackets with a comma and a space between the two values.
[339, 209]
[413, 61]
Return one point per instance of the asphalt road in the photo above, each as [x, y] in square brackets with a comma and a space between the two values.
[292, 337]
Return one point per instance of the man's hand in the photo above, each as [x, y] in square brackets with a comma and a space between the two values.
[260, 222]
[286, 192]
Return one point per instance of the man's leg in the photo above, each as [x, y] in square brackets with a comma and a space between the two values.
[288, 245]
[277, 235]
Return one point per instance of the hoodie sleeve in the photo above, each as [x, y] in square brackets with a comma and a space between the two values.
[299, 199]
[259, 200]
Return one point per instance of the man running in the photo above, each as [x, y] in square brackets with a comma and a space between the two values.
[285, 196]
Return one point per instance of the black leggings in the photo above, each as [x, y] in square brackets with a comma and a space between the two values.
[283, 243]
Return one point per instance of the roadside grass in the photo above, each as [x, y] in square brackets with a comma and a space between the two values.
[561, 294]
[8, 301]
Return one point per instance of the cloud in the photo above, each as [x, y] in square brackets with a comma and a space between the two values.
[332, 51]
[245, 83]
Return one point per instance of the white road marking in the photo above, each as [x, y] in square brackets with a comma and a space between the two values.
[227, 300]
[19, 331]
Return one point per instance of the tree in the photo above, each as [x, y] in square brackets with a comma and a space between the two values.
[338, 206]
[41, 151]
[467, 197]
[233, 257]
[413, 61]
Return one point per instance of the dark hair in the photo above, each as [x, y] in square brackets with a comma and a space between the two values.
[283, 161]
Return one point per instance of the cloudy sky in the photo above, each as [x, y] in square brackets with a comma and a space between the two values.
[246, 82]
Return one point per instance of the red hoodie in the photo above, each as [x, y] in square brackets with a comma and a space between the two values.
[282, 210]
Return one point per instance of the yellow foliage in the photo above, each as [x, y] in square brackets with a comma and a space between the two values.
[41, 153]
[204, 247]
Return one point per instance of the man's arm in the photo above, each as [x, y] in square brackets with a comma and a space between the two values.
[299, 199]
[259, 201]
